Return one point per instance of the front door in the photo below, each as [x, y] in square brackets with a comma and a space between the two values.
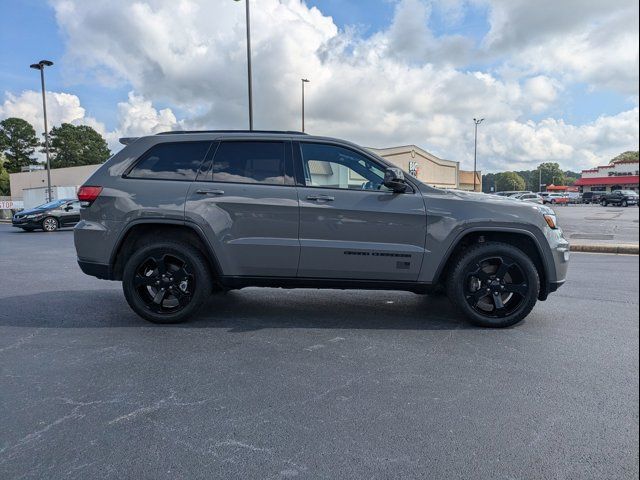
[247, 202]
[351, 225]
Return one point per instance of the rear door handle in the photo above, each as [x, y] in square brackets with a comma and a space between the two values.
[326, 198]
[210, 192]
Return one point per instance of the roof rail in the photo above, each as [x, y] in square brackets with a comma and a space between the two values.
[128, 140]
[287, 132]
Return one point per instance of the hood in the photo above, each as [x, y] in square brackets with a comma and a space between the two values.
[33, 211]
[498, 201]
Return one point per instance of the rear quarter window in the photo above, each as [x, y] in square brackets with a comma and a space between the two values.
[171, 161]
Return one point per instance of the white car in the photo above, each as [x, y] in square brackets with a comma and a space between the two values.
[530, 197]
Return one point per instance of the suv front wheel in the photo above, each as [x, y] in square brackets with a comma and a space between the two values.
[494, 284]
[166, 282]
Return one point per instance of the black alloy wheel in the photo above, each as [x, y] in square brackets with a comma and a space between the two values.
[494, 284]
[167, 282]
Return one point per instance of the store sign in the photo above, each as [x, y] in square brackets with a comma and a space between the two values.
[623, 174]
[11, 204]
[413, 168]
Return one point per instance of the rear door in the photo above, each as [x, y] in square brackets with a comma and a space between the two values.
[245, 198]
[70, 213]
[351, 225]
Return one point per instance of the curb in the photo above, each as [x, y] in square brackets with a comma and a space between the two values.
[616, 249]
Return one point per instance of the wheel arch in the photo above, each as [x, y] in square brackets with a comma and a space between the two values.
[136, 233]
[522, 239]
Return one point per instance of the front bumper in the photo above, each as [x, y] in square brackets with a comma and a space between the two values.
[98, 270]
[26, 223]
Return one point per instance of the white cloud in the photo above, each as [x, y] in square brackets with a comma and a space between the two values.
[61, 108]
[136, 116]
[404, 84]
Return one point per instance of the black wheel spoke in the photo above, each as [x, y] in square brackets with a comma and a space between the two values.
[158, 298]
[143, 280]
[497, 301]
[180, 275]
[503, 269]
[183, 298]
[479, 273]
[160, 263]
[519, 288]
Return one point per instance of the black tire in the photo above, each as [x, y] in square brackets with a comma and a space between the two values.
[603, 203]
[166, 282]
[506, 284]
[50, 224]
[624, 204]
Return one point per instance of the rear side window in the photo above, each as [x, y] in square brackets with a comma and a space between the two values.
[171, 161]
[250, 162]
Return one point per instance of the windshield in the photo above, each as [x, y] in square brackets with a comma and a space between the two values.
[54, 204]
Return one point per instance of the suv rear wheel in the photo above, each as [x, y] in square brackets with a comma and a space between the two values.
[494, 284]
[166, 282]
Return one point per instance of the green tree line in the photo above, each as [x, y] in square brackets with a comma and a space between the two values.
[546, 174]
[69, 146]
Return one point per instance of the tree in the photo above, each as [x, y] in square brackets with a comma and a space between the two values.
[509, 181]
[18, 142]
[551, 174]
[488, 182]
[4, 178]
[629, 155]
[74, 145]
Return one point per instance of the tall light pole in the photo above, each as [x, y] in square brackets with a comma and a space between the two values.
[475, 150]
[304, 80]
[40, 66]
[248, 18]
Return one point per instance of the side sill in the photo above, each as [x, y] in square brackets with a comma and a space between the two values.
[236, 282]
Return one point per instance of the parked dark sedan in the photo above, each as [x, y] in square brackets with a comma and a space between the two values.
[49, 216]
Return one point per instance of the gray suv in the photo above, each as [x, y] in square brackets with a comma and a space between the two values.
[179, 215]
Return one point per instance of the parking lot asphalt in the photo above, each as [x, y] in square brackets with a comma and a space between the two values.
[598, 225]
[271, 383]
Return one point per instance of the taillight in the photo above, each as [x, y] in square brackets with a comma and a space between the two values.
[88, 194]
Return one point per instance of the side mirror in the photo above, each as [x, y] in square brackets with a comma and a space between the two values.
[394, 180]
[68, 208]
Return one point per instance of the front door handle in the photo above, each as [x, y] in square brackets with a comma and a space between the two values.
[210, 192]
[326, 198]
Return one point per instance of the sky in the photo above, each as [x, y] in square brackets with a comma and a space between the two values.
[554, 81]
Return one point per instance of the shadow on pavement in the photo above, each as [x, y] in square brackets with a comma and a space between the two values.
[241, 311]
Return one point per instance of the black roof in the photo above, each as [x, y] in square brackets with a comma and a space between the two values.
[287, 132]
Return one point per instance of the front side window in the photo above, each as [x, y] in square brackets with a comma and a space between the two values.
[259, 162]
[332, 166]
[171, 161]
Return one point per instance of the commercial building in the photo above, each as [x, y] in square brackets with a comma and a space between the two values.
[620, 175]
[428, 168]
[37, 179]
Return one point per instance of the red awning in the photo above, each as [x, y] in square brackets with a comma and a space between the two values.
[613, 180]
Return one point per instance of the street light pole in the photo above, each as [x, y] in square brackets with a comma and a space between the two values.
[40, 66]
[248, 19]
[304, 80]
[475, 150]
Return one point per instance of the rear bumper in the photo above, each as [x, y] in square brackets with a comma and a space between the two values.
[98, 270]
